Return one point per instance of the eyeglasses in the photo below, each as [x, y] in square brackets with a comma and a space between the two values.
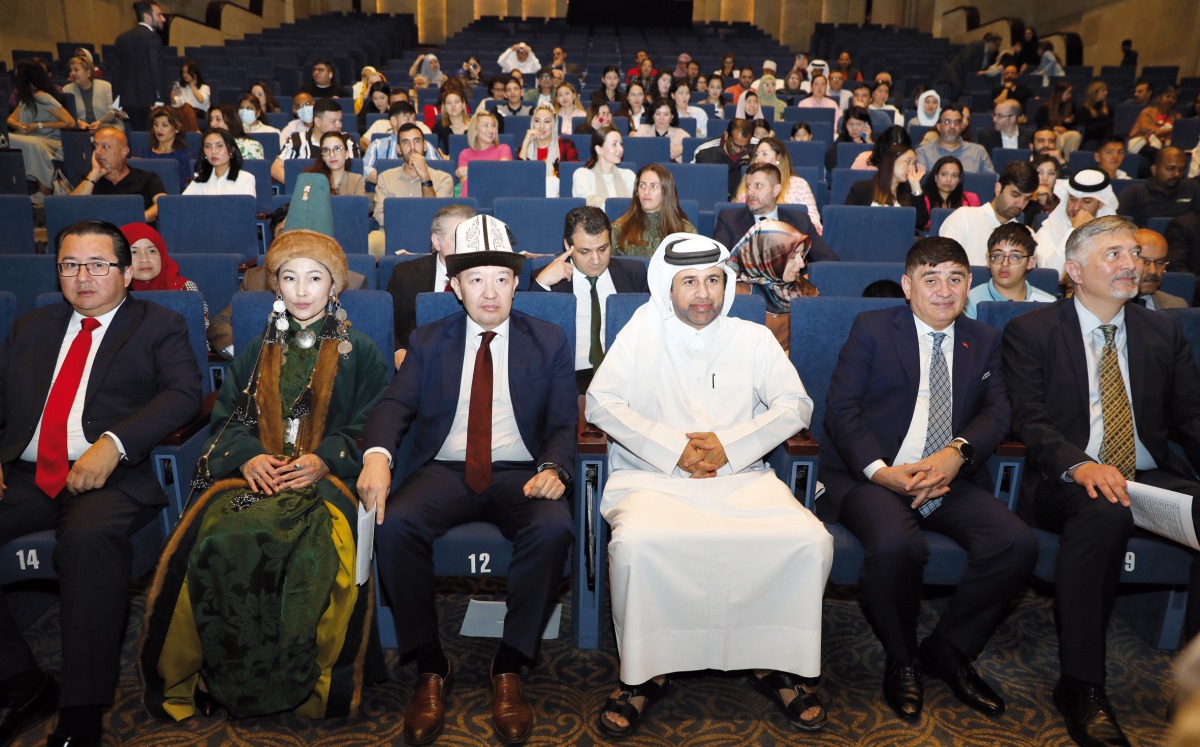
[1001, 258]
[997, 115]
[952, 122]
[95, 269]
[1159, 263]
[336, 150]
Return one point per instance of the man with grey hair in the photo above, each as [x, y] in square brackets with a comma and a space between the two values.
[1096, 384]
[424, 274]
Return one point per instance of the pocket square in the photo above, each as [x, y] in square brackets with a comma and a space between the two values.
[985, 375]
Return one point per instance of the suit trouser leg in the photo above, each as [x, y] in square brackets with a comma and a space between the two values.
[94, 559]
[894, 557]
[1001, 553]
[21, 512]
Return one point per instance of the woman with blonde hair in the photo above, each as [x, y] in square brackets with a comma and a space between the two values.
[567, 106]
[362, 89]
[1095, 116]
[795, 190]
[543, 143]
[483, 144]
[653, 213]
[93, 98]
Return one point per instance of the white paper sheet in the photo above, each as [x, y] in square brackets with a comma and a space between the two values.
[1164, 512]
[366, 544]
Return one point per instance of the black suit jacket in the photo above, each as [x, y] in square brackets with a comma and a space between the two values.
[141, 78]
[144, 384]
[407, 280]
[873, 392]
[733, 223]
[628, 276]
[989, 138]
[1046, 370]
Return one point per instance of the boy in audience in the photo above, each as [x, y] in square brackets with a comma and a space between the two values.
[1010, 257]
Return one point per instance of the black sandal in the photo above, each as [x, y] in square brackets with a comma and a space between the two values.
[620, 705]
[772, 683]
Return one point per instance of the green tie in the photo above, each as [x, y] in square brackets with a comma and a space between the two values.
[1116, 448]
[596, 353]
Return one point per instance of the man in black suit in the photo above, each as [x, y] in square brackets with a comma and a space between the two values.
[916, 405]
[587, 238]
[141, 78]
[1005, 133]
[115, 375]
[1097, 384]
[762, 190]
[972, 59]
[425, 274]
[1010, 89]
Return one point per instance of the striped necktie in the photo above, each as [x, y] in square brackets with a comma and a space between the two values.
[1117, 448]
[939, 430]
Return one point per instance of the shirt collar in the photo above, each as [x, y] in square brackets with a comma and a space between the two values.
[474, 330]
[924, 330]
[577, 275]
[995, 294]
[1089, 322]
[104, 319]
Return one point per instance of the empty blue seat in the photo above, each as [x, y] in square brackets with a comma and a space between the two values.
[850, 278]
[16, 216]
[208, 224]
[981, 183]
[644, 150]
[66, 210]
[1001, 157]
[351, 218]
[166, 168]
[840, 181]
[492, 179]
[937, 217]
[216, 275]
[847, 152]
[810, 153]
[406, 220]
[27, 276]
[537, 222]
[869, 234]
[706, 183]
[8, 313]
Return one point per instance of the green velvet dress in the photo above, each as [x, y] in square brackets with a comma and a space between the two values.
[650, 238]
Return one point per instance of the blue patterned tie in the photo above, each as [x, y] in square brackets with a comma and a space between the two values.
[939, 430]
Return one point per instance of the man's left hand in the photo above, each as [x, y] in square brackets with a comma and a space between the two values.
[545, 484]
[707, 441]
[92, 469]
[942, 466]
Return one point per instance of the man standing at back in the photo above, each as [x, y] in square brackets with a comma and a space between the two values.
[87, 389]
[141, 79]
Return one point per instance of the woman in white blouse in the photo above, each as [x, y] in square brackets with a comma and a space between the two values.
[220, 171]
[600, 177]
[663, 123]
[681, 94]
[192, 89]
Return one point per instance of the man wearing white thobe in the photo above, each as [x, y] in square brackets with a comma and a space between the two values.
[724, 572]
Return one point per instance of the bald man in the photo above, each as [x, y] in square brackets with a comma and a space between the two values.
[1154, 264]
[111, 175]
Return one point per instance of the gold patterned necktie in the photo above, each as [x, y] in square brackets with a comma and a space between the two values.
[1117, 447]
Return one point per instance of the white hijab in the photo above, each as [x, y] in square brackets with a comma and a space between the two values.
[922, 117]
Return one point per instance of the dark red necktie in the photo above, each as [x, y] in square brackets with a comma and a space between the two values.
[479, 419]
[51, 474]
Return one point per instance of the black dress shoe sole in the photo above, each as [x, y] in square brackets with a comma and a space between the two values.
[41, 713]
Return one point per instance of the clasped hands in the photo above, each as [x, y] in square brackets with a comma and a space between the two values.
[703, 455]
[269, 474]
[924, 480]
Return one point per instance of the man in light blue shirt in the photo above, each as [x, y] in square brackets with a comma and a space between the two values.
[1010, 258]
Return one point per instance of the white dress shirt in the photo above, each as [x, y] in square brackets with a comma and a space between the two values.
[583, 312]
[223, 185]
[913, 444]
[77, 442]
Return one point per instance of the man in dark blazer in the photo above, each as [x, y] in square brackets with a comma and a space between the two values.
[87, 389]
[141, 78]
[587, 239]
[1004, 120]
[488, 401]
[426, 274]
[762, 191]
[972, 59]
[1086, 437]
[916, 405]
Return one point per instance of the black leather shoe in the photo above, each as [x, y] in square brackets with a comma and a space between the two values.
[903, 689]
[1089, 716]
[16, 713]
[947, 663]
[66, 740]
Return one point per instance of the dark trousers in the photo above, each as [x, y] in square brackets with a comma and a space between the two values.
[1001, 554]
[434, 499]
[94, 558]
[1094, 536]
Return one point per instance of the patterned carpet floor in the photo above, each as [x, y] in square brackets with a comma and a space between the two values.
[705, 709]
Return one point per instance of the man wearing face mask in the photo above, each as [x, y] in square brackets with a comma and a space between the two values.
[327, 117]
[302, 107]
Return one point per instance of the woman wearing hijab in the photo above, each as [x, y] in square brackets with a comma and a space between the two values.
[428, 67]
[255, 606]
[929, 108]
[769, 261]
[153, 268]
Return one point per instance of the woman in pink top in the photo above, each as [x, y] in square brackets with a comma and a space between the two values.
[818, 100]
[482, 145]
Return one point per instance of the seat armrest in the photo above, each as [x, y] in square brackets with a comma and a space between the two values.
[1010, 447]
[801, 444]
[197, 424]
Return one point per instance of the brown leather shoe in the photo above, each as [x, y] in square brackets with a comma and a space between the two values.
[427, 710]
[512, 717]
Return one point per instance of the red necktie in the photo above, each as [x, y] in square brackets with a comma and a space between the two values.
[51, 475]
[479, 420]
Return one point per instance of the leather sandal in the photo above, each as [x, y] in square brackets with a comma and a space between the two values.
[772, 683]
[621, 706]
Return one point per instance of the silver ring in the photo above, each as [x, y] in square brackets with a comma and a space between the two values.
[296, 467]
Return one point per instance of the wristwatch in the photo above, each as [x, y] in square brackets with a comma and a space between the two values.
[965, 449]
[427, 183]
[562, 473]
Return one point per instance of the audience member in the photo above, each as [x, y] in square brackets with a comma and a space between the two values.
[728, 66]
[1165, 194]
[795, 190]
[897, 182]
[34, 126]
[377, 101]
[950, 143]
[587, 269]
[1129, 55]
[111, 174]
[327, 117]
[1048, 65]
[653, 213]
[429, 67]
[609, 91]
[660, 89]
[302, 107]
[943, 186]
[739, 509]
[153, 268]
[894, 447]
[793, 91]
[1044, 200]
[664, 123]
[85, 472]
[225, 117]
[1110, 155]
[974, 58]
[322, 86]
[266, 97]
[770, 261]
[167, 141]
[868, 160]
[880, 93]
[334, 165]
[1095, 116]
[250, 112]
[513, 104]
[856, 129]
[542, 143]
[818, 100]
[1010, 89]
[519, 57]
[412, 179]
[745, 83]
[1153, 128]
[1058, 114]
[191, 89]
[763, 188]
[634, 108]
[601, 178]
[141, 79]
[388, 147]
[681, 96]
[453, 120]
[1080, 375]
[543, 93]
[734, 149]
[837, 90]
[748, 107]
[1005, 131]
[93, 97]
[220, 168]
[1141, 94]
[1154, 264]
[801, 132]
[482, 145]
[971, 226]
[1011, 255]
[525, 450]
[567, 107]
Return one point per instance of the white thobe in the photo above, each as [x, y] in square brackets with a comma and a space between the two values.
[722, 573]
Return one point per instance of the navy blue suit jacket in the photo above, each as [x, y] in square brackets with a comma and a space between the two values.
[424, 395]
[873, 392]
[628, 276]
[733, 223]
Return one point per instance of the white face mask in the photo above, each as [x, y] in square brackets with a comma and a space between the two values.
[247, 116]
[305, 113]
